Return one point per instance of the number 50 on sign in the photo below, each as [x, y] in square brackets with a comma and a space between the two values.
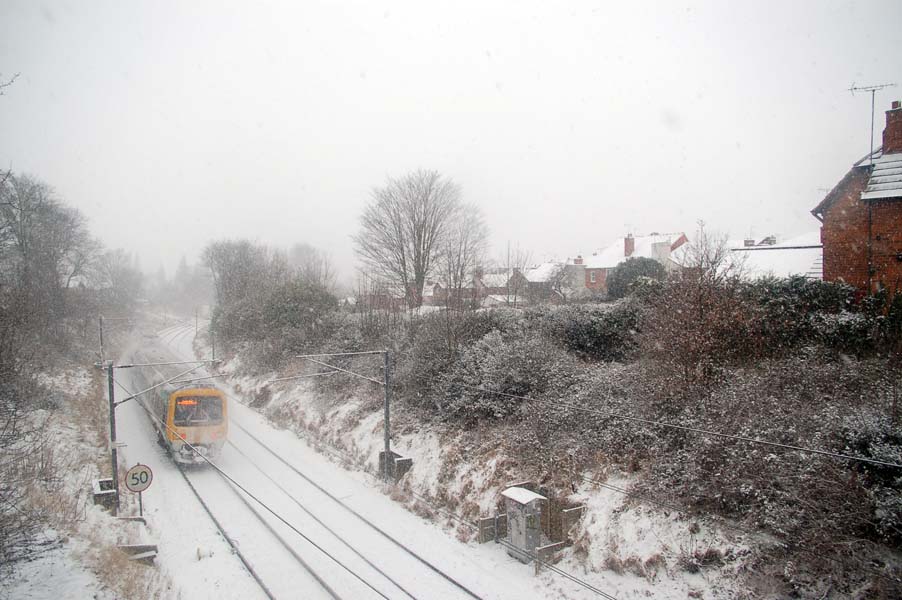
[138, 478]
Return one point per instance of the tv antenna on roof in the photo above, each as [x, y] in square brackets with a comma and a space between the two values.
[873, 89]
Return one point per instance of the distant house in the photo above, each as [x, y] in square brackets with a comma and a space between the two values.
[800, 255]
[666, 248]
[434, 294]
[543, 281]
[381, 296]
[862, 217]
[493, 300]
[510, 284]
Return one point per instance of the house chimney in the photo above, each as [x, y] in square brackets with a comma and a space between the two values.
[892, 135]
[578, 260]
[629, 245]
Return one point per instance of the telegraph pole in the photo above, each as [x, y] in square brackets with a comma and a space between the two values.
[113, 451]
[387, 469]
[387, 458]
[873, 90]
[114, 462]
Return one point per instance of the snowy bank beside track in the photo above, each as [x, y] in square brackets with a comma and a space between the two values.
[622, 546]
[80, 558]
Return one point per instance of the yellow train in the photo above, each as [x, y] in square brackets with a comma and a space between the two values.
[184, 412]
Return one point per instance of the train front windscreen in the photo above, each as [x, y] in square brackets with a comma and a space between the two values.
[197, 411]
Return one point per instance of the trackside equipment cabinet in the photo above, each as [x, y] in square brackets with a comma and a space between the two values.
[524, 522]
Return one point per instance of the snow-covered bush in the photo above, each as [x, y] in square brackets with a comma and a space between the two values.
[436, 341]
[851, 332]
[493, 374]
[620, 280]
[694, 327]
[594, 331]
[877, 435]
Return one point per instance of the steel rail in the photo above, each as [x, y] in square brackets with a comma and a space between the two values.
[359, 516]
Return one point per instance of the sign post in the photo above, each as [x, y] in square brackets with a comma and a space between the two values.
[137, 480]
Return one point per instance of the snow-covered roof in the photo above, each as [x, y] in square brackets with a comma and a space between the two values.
[495, 299]
[521, 495]
[886, 178]
[429, 288]
[495, 279]
[645, 246]
[800, 255]
[542, 273]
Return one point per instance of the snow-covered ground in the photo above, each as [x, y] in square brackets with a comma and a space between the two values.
[80, 538]
[200, 564]
[625, 550]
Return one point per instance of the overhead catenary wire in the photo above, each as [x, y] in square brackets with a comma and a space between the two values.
[324, 364]
[230, 479]
[665, 424]
[288, 548]
[326, 354]
[725, 522]
[278, 379]
[198, 379]
[153, 387]
[229, 541]
[163, 364]
[339, 454]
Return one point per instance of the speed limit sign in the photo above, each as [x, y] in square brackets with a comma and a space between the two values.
[138, 478]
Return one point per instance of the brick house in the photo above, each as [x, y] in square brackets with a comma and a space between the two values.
[434, 294]
[503, 286]
[658, 246]
[861, 217]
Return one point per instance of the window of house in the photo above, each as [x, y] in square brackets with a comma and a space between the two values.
[592, 277]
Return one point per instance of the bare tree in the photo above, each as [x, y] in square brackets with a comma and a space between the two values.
[560, 281]
[243, 270]
[515, 262]
[463, 253]
[7, 83]
[700, 320]
[709, 258]
[403, 228]
[115, 274]
[312, 266]
[45, 246]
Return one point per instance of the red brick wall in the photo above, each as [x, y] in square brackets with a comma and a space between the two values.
[600, 276]
[886, 248]
[845, 237]
[892, 134]
[844, 233]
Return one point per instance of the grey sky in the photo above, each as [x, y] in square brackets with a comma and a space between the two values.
[173, 123]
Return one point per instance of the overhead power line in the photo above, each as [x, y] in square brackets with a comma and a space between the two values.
[256, 499]
[323, 364]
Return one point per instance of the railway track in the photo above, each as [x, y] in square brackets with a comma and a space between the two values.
[422, 562]
[338, 540]
[210, 486]
[235, 550]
